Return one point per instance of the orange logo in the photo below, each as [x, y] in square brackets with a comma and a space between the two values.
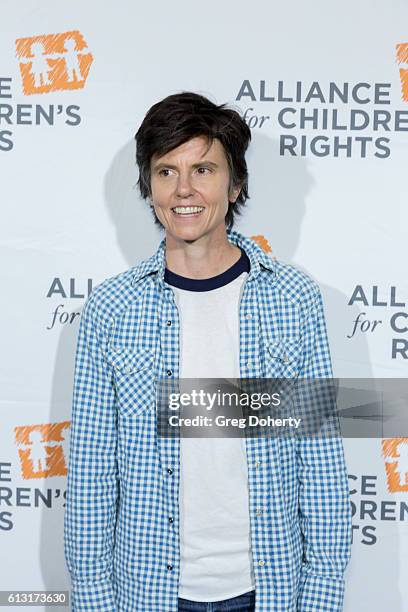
[262, 242]
[395, 452]
[402, 60]
[42, 449]
[53, 62]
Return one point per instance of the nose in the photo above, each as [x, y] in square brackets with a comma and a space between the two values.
[184, 186]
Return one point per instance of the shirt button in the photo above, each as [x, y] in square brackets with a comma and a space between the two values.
[171, 519]
[169, 567]
[168, 322]
[285, 359]
[169, 372]
[169, 471]
[249, 364]
[261, 562]
[258, 512]
[249, 315]
[257, 464]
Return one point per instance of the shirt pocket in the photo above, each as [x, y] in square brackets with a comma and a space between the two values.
[134, 379]
[283, 358]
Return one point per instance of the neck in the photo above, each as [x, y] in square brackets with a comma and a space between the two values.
[203, 258]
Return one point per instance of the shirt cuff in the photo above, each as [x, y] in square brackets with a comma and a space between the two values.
[93, 597]
[320, 594]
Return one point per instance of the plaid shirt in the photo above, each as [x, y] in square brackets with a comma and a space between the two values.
[121, 549]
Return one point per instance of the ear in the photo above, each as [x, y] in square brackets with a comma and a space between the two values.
[234, 194]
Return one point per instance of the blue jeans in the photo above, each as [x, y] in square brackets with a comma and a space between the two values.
[242, 603]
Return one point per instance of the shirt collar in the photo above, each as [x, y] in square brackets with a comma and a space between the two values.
[156, 264]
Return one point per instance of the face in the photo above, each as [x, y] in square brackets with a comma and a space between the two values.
[189, 188]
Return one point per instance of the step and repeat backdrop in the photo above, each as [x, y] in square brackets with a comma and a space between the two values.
[324, 89]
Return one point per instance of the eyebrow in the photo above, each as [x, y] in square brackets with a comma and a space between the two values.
[205, 162]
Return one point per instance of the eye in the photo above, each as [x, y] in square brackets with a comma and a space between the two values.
[164, 170]
[203, 168]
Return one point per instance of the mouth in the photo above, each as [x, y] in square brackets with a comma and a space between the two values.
[187, 211]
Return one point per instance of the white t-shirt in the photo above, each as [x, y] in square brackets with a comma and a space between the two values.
[215, 544]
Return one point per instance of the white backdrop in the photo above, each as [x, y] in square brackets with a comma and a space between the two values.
[328, 195]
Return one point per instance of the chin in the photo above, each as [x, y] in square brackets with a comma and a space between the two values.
[187, 234]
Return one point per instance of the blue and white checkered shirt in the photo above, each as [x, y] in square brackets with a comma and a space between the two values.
[122, 518]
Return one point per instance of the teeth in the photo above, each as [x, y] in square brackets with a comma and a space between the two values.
[187, 209]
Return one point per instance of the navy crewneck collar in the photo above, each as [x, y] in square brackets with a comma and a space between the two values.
[207, 284]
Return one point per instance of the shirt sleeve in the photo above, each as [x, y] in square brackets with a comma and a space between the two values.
[324, 502]
[92, 482]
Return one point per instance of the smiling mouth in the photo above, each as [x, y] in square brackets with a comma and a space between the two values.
[187, 211]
